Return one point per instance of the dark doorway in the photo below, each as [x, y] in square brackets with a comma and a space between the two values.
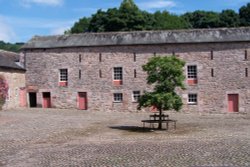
[32, 99]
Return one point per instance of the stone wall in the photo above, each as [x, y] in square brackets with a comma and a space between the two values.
[228, 63]
[15, 80]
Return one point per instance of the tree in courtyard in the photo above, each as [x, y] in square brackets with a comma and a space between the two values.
[165, 74]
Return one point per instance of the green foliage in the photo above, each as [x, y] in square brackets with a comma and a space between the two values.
[97, 22]
[128, 17]
[165, 74]
[81, 26]
[10, 47]
[244, 13]
[202, 19]
[166, 21]
[229, 18]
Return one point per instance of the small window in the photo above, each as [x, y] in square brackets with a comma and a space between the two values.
[154, 53]
[192, 99]
[63, 75]
[117, 73]
[212, 72]
[246, 55]
[136, 96]
[135, 73]
[192, 72]
[100, 57]
[100, 73]
[246, 72]
[80, 58]
[80, 74]
[134, 57]
[118, 97]
[212, 55]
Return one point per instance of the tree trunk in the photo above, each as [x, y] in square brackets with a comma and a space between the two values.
[160, 119]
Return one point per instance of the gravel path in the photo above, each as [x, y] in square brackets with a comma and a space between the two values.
[40, 137]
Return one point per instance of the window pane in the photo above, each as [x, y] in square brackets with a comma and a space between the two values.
[192, 72]
[117, 73]
[136, 96]
[118, 97]
[192, 98]
[63, 74]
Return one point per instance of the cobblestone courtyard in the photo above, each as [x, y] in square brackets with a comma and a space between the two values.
[31, 138]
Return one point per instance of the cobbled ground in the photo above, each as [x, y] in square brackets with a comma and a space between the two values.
[37, 137]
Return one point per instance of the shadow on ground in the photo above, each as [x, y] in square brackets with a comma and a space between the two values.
[133, 128]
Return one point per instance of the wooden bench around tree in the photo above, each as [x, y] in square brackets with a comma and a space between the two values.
[166, 121]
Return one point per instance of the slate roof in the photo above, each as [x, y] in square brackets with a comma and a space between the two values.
[140, 38]
[9, 60]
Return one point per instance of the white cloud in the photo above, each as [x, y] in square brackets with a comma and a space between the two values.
[28, 3]
[39, 23]
[59, 30]
[6, 32]
[157, 4]
[89, 10]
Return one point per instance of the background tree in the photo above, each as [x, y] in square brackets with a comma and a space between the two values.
[229, 18]
[97, 22]
[165, 74]
[10, 47]
[81, 26]
[128, 17]
[244, 13]
[166, 21]
[202, 19]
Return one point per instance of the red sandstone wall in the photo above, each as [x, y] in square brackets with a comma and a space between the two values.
[228, 63]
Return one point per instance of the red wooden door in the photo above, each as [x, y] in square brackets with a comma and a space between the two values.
[46, 100]
[82, 101]
[233, 102]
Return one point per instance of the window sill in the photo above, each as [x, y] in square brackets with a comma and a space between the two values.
[117, 101]
[193, 104]
[192, 82]
[63, 84]
[117, 82]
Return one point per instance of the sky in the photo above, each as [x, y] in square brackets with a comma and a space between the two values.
[20, 20]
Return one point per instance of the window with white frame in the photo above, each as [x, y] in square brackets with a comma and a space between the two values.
[192, 98]
[192, 72]
[117, 73]
[63, 75]
[136, 96]
[118, 97]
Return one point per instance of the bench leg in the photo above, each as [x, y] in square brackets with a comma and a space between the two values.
[152, 125]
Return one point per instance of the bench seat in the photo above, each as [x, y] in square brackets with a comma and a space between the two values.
[166, 121]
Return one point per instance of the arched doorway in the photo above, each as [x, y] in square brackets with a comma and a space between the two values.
[3, 91]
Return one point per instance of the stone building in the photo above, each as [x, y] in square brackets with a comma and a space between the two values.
[12, 81]
[102, 71]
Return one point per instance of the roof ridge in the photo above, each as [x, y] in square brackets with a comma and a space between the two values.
[141, 38]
